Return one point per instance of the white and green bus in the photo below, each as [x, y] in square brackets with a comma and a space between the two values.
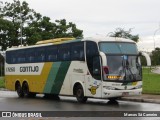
[98, 67]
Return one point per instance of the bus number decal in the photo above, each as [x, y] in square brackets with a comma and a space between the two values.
[10, 69]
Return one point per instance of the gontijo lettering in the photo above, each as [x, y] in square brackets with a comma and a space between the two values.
[29, 69]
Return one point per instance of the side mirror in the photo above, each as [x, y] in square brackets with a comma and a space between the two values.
[148, 59]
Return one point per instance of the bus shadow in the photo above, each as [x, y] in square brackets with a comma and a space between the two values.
[70, 100]
[104, 102]
[99, 102]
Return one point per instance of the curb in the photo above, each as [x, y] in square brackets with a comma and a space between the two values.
[141, 100]
[3, 89]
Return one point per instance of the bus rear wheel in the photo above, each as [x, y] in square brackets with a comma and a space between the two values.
[25, 89]
[19, 90]
[80, 94]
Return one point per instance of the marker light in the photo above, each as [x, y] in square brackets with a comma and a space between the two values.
[114, 77]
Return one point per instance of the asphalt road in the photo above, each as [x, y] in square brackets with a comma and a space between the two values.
[9, 101]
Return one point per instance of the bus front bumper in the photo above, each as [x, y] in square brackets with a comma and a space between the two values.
[121, 93]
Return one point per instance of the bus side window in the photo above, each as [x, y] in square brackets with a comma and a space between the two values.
[8, 57]
[13, 61]
[77, 51]
[31, 55]
[91, 56]
[21, 56]
[64, 52]
[40, 54]
[52, 53]
[11, 57]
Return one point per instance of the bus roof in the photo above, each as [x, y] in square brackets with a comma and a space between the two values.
[55, 41]
[68, 40]
[107, 39]
[46, 43]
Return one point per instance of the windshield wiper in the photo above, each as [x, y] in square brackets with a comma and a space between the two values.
[126, 67]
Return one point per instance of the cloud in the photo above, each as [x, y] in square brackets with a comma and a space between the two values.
[148, 43]
[104, 16]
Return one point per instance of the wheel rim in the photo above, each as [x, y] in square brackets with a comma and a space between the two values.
[79, 93]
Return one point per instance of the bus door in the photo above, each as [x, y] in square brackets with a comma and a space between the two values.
[93, 77]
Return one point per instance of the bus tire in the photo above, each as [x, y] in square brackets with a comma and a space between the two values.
[25, 89]
[19, 90]
[52, 96]
[113, 99]
[80, 94]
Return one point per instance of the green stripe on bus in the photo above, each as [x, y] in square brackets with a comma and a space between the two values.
[58, 82]
[51, 77]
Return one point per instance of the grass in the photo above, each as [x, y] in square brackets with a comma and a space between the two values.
[2, 84]
[151, 82]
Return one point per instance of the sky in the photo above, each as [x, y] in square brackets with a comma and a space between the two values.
[100, 17]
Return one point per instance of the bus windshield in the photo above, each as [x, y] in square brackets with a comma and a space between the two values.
[125, 67]
[118, 48]
[122, 61]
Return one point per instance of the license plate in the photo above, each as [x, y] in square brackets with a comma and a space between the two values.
[125, 93]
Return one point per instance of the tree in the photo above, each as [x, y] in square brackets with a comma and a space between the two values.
[14, 15]
[155, 56]
[44, 29]
[39, 30]
[6, 33]
[143, 61]
[22, 23]
[66, 30]
[120, 32]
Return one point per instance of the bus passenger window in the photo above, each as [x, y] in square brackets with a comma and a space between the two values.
[21, 56]
[51, 55]
[14, 57]
[66, 56]
[78, 51]
[31, 55]
[64, 52]
[13, 60]
[40, 54]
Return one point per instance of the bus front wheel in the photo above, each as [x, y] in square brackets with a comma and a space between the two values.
[80, 94]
